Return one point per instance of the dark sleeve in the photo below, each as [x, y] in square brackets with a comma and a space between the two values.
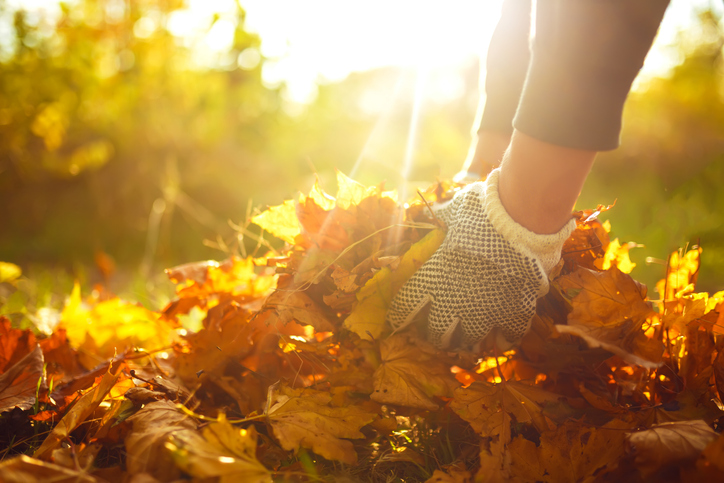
[506, 66]
[586, 54]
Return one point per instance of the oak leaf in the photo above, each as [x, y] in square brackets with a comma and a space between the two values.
[220, 451]
[367, 319]
[411, 374]
[304, 419]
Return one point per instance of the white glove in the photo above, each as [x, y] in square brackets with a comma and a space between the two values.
[487, 273]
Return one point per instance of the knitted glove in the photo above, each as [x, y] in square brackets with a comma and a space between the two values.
[487, 273]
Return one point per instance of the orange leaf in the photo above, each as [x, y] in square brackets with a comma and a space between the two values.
[19, 383]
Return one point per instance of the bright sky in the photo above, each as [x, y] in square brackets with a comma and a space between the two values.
[309, 41]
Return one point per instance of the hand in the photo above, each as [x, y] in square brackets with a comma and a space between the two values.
[487, 273]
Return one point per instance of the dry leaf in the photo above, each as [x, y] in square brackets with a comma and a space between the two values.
[145, 445]
[19, 383]
[411, 374]
[80, 411]
[294, 305]
[368, 317]
[24, 469]
[15, 344]
[572, 452]
[303, 418]
[220, 451]
[281, 221]
[670, 443]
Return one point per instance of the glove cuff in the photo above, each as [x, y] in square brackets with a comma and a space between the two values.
[545, 249]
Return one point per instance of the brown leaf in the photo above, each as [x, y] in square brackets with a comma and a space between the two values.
[608, 310]
[303, 418]
[490, 408]
[670, 443]
[411, 374]
[60, 357]
[19, 383]
[572, 452]
[294, 305]
[145, 444]
[25, 469]
[453, 475]
[85, 406]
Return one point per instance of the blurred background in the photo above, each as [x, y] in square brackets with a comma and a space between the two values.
[134, 134]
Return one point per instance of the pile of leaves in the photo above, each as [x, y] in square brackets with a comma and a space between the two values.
[293, 374]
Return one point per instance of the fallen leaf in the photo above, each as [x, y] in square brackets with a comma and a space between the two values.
[15, 344]
[281, 221]
[304, 419]
[608, 309]
[24, 469]
[367, 319]
[19, 384]
[411, 374]
[220, 451]
[80, 411]
[145, 445]
[669, 444]
[617, 256]
[490, 408]
[295, 305]
[9, 272]
[572, 452]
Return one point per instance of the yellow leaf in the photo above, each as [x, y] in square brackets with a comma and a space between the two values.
[411, 374]
[373, 299]
[111, 326]
[220, 451]
[303, 418]
[350, 192]
[85, 406]
[9, 272]
[617, 255]
[281, 221]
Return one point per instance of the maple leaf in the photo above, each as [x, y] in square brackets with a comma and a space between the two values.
[146, 443]
[20, 382]
[220, 451]
[608, 310]
[295, 305]
[80, 411]
[304, 418]
[367, 319]
[490, 408]
[411, 373]
[571, 452]
[669, 444]
[281, 221]
[617, 255]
